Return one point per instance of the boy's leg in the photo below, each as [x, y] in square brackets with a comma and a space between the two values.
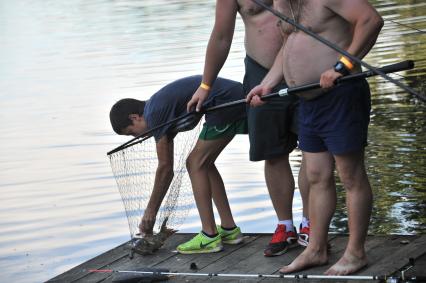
[207, 183]
[359, 203]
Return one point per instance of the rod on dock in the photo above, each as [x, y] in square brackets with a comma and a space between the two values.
[381, 278]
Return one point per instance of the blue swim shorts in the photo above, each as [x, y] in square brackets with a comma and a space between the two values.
[337, 121]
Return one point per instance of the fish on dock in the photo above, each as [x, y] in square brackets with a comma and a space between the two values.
[149, 243]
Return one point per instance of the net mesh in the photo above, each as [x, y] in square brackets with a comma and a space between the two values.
[134, 170]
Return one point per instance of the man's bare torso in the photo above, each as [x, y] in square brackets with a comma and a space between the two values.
[305, 58]
[263, 37]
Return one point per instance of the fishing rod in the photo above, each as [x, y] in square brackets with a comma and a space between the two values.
[421, 97]
[186, 121]
[405, 25]
[380, 278]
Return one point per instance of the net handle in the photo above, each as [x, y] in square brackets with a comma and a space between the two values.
[147, 134]
[404, 65]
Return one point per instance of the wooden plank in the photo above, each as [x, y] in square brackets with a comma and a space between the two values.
[249, 260]
[229, 264]
[254, 262]
[138, 261]
[181, 263]
[419, 268]
[378, 249]
[338, 247]
[96, 263]
[386, 255]
[394, 253]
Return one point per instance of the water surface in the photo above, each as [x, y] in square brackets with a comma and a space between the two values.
[64, 63]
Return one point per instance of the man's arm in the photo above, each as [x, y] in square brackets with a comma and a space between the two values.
[273, 78]
[366, 23]
[163, 178]
[365, 20]
[217, 49]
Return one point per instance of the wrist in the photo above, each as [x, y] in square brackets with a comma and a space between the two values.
[339, 67]
[343, 66]
[268, 84]
[347, 62]
[205, 86]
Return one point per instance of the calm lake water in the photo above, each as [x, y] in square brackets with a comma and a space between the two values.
[64, 63]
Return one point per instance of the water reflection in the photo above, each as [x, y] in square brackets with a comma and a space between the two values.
[64, 63]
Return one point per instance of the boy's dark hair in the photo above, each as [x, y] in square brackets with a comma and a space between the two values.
[120, 111]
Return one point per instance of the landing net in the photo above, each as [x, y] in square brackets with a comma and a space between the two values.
[134, 170]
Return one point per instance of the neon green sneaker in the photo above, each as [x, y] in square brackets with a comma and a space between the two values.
[201, 244]
[232, 237]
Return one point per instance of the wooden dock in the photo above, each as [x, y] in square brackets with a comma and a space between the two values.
[386, 254]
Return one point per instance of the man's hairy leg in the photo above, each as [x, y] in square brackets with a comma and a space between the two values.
[322, 203]
[280, 184]
[359, 202]
[207, 183]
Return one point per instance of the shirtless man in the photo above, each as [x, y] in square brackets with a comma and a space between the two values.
[333, 124]
[271, 138]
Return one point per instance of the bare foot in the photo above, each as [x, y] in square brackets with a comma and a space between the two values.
[347, 264]
[305, 260]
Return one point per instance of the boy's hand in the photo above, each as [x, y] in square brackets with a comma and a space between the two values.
[197, 100]
[147, 223]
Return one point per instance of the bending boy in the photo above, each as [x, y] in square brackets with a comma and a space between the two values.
[133, 117]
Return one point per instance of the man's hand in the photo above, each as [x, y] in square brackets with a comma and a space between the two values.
[254, 96]
[147, 222]
[197, 100]
[328, 78]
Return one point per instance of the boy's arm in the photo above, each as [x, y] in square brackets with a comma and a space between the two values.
[217, 49]
[163, 178]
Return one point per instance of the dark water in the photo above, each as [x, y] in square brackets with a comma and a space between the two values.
[64, 63]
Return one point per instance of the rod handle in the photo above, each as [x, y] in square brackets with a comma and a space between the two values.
[404, 65]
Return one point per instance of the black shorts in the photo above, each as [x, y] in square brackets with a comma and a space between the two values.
[273, 126]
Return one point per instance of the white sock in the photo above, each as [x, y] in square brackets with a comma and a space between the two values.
[305, 222]
[288, 224]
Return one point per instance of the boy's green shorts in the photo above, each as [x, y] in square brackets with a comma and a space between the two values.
[228, 130]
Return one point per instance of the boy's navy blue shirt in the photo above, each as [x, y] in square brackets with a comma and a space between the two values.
[170, 102]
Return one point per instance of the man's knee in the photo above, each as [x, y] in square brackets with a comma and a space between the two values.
[320, 175]
[351, 170]
[354, 180]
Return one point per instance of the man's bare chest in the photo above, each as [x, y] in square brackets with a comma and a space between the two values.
[249, 8]
[310, 14]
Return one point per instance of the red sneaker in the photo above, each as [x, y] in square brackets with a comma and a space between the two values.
[303, 237]
[281, 241]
